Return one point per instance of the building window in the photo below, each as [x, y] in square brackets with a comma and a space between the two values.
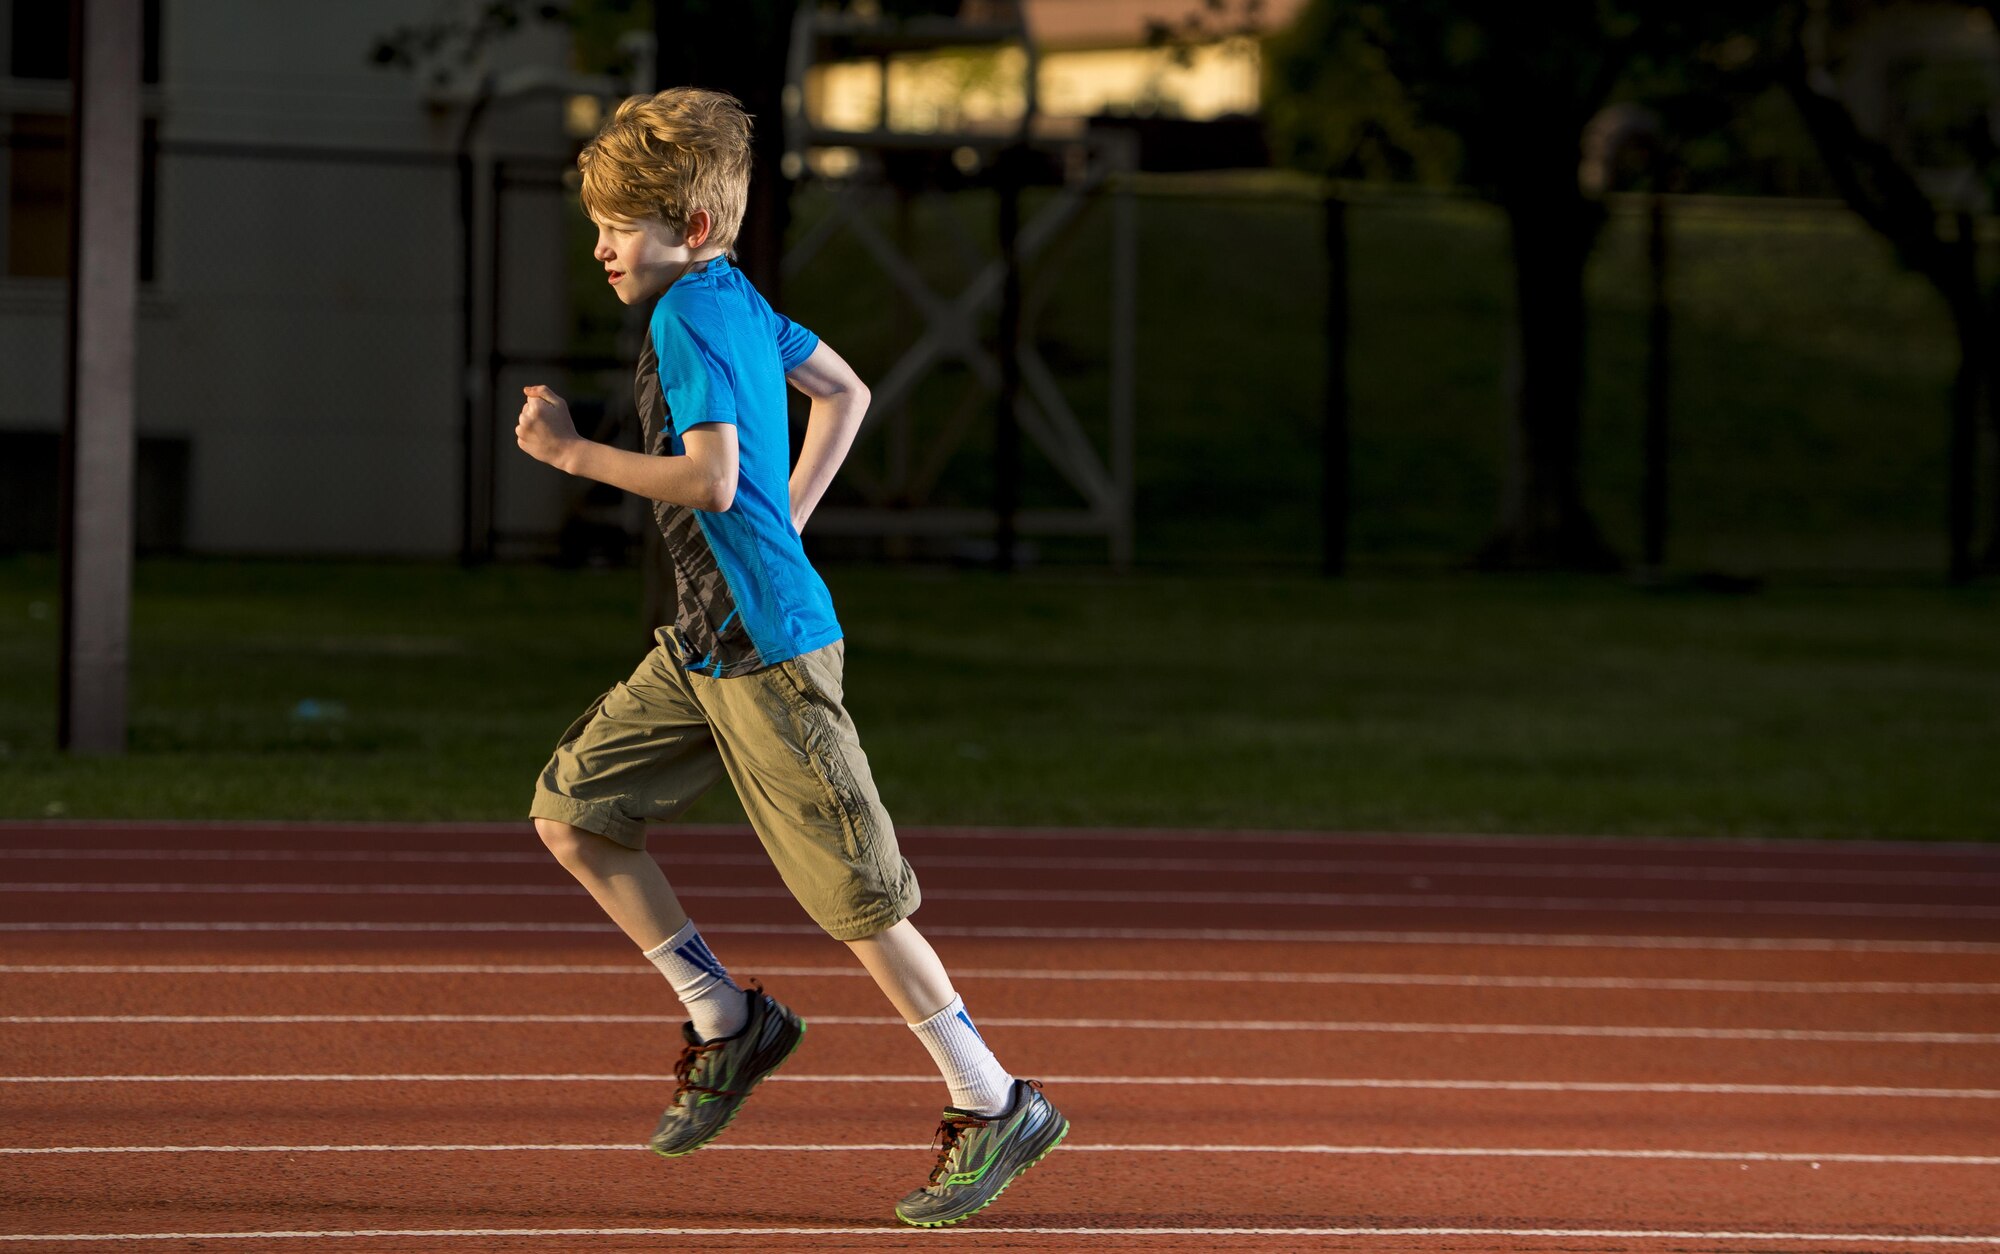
[38, 196]
[36, 222]
[38, 40]
[38, 172]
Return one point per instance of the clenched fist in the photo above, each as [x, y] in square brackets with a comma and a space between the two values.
[545, 431]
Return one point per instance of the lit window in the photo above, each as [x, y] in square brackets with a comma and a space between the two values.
[37, 221]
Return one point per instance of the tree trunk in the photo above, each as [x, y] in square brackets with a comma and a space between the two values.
[1543, 523]
[1987, 477]
[1887, 195]
[1955, 273]
[740, 48]
[728, 45]
[1968, 317]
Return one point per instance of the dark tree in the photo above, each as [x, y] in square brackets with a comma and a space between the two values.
[1515, 89]
[1921, 191]
[740, 46]
[736, 46]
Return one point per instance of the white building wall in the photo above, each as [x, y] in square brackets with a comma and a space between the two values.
[305, 339]
[302, 327]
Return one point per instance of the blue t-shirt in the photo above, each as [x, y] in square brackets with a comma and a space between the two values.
[747, 596]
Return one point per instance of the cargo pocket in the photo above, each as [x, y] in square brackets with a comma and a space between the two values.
[822, 724]
[582, 721]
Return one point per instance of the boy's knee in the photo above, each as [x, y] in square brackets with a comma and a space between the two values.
[568, 843]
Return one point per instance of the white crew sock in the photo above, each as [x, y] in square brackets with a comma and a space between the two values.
[977, 1081]
[713, 1000]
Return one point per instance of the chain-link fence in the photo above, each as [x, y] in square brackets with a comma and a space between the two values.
[304, 358]
[1808, 401]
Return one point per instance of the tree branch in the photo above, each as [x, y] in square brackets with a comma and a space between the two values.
[1870, 179]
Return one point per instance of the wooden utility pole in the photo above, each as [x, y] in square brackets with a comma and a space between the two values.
[99, 440]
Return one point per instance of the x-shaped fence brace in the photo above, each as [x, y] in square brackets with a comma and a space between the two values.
[951, 332]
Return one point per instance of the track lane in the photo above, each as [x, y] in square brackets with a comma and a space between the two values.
[755, 907]
[1413, 1240]
[1945, 893]
[858, 1049]
[904, 1112]
[727, 1189]
[141, 994]
[1637, 850]
[750, 947]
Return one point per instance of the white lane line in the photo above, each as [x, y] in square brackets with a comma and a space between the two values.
[1396, 901]
[1169, 1025]
[1258, 866]
[350, 925]
[1387, 979]
[1366, 936]
[1804, 847]
[363, 890]
[384, 968]
[1388, 1151]
[372, 857]
[1185, 1081]
[1581, 1234]
[1284, 936]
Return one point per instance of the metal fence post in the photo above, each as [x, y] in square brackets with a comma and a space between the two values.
[486, 466]
[1962, 443]
[1659, 378]
[1007, 422]
[1124, 350]
[1333, 507]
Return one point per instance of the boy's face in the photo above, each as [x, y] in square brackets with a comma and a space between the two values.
[641, 256]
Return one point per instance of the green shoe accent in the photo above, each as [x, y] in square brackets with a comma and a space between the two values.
[715, 1077]
[979, 1156]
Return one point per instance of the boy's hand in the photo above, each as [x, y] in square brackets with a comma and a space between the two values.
[545, 431]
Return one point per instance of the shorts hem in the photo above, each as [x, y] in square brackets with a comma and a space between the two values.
[599, 819]
[870, 925]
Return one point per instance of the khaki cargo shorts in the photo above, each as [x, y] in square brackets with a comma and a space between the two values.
[653, 744]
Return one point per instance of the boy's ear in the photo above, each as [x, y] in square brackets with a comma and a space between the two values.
[698, 226]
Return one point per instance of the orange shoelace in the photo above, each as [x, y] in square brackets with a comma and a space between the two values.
[953, 1127]
[691, 1056]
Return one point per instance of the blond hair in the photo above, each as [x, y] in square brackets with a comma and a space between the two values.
[667, 155]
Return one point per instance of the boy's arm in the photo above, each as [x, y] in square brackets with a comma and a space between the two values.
[839, 402]
[704, 479]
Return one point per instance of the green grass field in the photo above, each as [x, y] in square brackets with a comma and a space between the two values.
[1393, 702]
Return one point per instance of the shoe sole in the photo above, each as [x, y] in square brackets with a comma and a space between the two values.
[1018, 1171]
[722, 1127]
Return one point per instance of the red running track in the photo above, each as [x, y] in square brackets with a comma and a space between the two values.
[338, 1037]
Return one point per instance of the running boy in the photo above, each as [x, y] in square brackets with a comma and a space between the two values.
[747, 680]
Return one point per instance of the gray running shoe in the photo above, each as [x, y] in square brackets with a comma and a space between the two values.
[979, 1156]
[715, 1076]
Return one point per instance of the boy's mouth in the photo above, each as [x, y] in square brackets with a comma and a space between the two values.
[614, 275]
